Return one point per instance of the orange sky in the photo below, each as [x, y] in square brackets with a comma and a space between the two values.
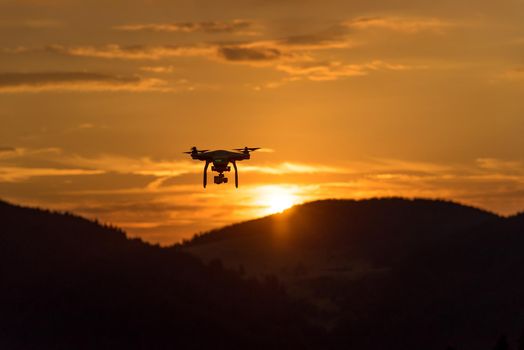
[354, 99]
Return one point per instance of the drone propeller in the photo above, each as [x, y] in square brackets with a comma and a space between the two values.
[247, 149]
[194, 150]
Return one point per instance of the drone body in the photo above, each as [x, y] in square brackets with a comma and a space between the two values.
[220, 160]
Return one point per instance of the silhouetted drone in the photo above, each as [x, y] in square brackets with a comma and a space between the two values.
[221, 160]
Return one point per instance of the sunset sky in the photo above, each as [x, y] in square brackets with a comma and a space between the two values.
[350, 99]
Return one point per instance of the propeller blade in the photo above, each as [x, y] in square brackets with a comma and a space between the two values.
[246, 149]
[196, 150]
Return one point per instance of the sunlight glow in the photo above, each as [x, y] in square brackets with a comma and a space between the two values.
[275, 199]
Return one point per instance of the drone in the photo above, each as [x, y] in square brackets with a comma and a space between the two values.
[221, 160]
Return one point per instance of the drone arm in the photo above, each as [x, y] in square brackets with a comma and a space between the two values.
[236, 173]
[205, 173]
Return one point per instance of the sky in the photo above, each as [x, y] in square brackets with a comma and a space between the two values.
[349, 99]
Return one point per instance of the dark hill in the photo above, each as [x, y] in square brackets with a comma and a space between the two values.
[375, 232]
[375, 274]
[390, 273]
[335, 221]
[68, 283]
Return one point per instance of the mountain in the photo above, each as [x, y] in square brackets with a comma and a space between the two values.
[388, 273]
[339, 237]
[372, 274]
[69, 283]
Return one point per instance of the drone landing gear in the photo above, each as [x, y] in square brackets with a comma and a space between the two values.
[220, 178]
[205, 173]
[236, 173]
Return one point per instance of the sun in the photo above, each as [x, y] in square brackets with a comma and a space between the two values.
[276, 199]
[280, 202]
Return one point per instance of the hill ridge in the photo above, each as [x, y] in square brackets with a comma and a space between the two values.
[330, 204]
[386, 273]
[68, 282]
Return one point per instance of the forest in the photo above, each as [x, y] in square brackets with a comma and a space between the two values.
[373, 274]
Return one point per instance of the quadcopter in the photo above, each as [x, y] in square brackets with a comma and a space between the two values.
[221, 160]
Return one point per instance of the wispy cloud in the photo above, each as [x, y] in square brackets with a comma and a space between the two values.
[17, 174]
[237, 26]
[249, 54]
[20, 161]
[514, 74]
[256, 51]
[85, 126]
[173, 168]
[300, 56]
[141, 166]
[158, 69]
[16, 164]
[177, 209]
[138, 166]
[501, 165]
[322, 71]
[135, 52]
[76, 81]
[294, 168]
[402, 24]
[22, 153]
[334, 37]
[36, 24]
[381, 169]
[293, 55]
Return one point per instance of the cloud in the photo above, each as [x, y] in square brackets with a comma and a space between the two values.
[146, 166]
[134, 52]
[500, 165]
[21, 153]
[58, 163]
[85, 126]
[401, 24]
[237, 26]
[515, 74]
[158, 69]
[18, 164]
[249, 54]
[172, 168]
[325, 71]
[12, 79]
[291, 55]
[336, 37]
[75, 81]
[31, 24]
[294, 168]
[293, 47]
[138, 166]
[18, 50]
[492, 183]
[17, 174]
[256, 51]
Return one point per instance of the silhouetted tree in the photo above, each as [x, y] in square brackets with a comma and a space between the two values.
[422, 268]
[521, 341]
[502, 343]
[70, 283]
